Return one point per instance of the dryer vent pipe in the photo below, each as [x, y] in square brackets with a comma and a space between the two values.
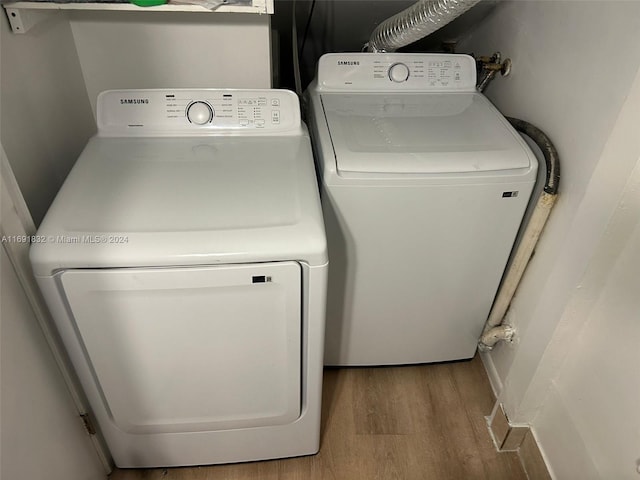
[416, 22]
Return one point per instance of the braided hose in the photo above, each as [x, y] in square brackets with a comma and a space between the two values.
[416, 22]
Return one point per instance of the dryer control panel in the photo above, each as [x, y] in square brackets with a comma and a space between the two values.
[396, 72]
[197, 112]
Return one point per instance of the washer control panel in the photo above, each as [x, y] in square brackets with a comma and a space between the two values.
[198, 112]
[396, 72]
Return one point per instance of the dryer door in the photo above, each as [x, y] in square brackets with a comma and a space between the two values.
[191, 349]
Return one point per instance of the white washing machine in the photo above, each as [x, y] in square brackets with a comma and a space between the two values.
[184, 261]
[424, 185]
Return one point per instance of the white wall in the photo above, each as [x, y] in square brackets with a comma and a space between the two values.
[172, 50]
[589, 416]
[45, 117]
[41, 434]
[590, 111]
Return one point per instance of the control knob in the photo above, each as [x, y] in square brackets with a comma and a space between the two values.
[199, 113]
[398, 72]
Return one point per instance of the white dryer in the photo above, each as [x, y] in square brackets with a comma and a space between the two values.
[184, 262]
[424, 185]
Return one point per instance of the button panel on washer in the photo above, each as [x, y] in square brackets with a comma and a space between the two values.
[396, 72]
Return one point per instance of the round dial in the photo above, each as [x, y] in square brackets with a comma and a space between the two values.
[199, 113]
[398, 72]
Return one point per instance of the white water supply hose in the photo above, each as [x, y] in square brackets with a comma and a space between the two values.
[495, 330]
[416, 22]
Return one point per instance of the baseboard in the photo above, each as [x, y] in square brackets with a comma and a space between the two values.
[517, 438]
[506, 437]
[492, 373]
[532, 459]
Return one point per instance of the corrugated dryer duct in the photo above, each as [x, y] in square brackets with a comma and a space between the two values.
[416, 22]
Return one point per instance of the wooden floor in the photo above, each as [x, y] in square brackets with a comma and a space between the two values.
[409, 423]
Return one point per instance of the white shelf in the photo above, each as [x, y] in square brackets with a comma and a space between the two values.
[259, 6]
[23, 15]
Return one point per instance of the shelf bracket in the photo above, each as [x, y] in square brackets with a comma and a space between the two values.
[21, 20]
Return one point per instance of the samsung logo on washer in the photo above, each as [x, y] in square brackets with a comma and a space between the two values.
[348, 62]
[133, 101]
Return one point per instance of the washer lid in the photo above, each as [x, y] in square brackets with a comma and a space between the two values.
[421, 133]
[184, 201]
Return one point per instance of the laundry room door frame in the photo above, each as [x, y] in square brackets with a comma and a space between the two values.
[17, 222]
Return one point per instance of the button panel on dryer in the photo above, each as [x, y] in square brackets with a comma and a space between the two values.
[197, 112]
[230, 110]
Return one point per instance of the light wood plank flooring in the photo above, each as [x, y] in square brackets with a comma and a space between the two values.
[386, 423]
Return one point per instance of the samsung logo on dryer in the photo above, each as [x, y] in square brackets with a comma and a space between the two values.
[349, 62]
[133, 101]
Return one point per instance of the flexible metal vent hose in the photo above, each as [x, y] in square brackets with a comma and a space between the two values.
[416, 22]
